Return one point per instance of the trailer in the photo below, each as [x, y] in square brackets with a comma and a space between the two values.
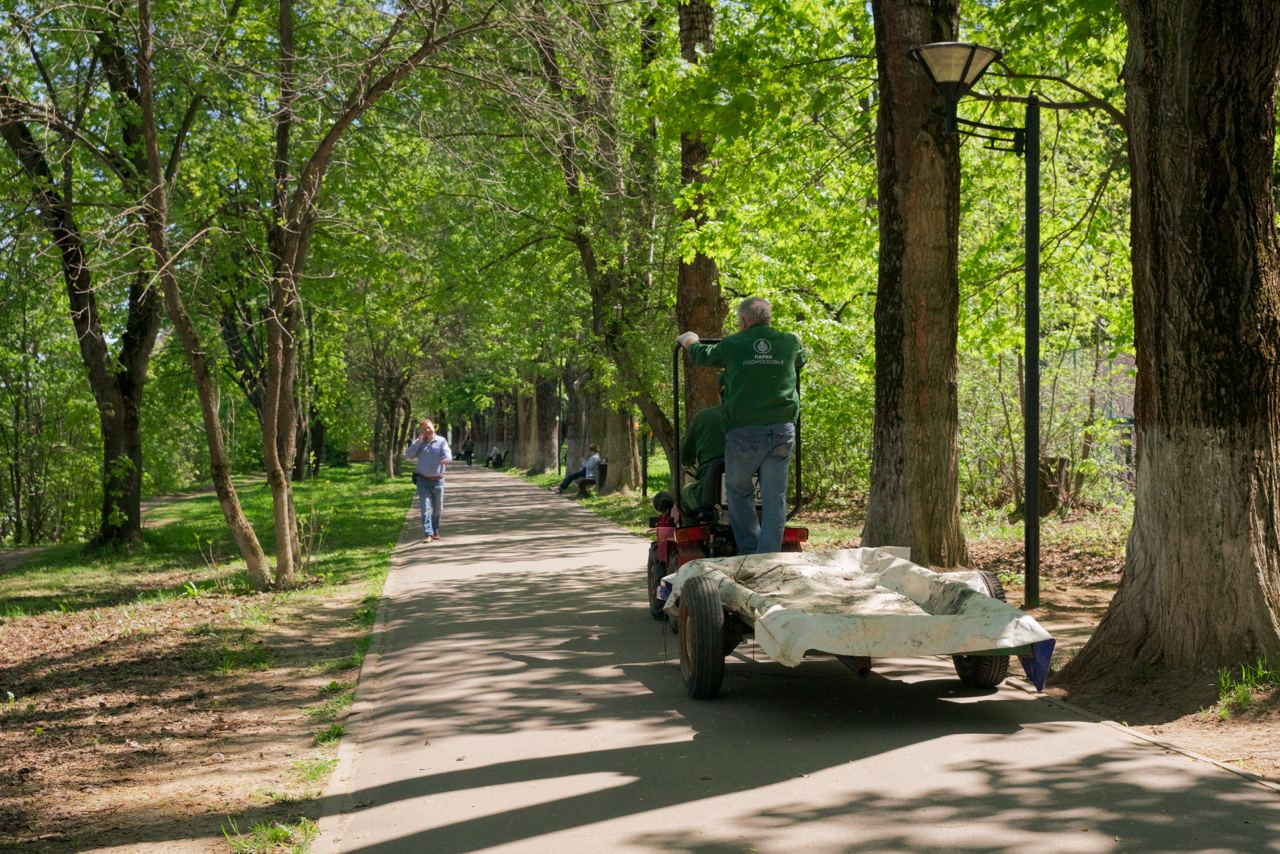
[854, 604]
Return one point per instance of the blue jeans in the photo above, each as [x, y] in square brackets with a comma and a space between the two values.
[431, 494]
[763, 450]
[571, 477]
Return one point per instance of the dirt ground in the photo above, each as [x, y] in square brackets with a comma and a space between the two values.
[150, 728]
[1178, 709]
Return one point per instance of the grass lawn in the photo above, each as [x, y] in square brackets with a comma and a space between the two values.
[154, 698]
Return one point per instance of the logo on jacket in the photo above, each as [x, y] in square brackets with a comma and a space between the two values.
[762, 346]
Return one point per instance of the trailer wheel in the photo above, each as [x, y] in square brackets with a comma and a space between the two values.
[654, 573]
[984, 671]
[701, 638]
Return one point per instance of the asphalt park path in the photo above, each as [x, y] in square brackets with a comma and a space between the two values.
[518, 697]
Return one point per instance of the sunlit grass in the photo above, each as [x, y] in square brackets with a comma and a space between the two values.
[1239, 687]
[192, 554]
[274, 836]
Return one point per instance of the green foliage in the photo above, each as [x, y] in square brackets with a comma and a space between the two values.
[173, 560]
[50, 488]
[447, 269]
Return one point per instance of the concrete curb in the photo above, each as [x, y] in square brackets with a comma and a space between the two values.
[339, 793]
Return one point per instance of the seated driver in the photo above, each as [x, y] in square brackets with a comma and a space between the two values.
[702, 446]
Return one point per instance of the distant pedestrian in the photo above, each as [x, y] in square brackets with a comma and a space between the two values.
[433, 456]
[590, 468]
[468, 450]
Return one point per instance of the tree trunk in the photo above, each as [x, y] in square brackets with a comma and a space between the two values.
[1201, 584]
[207, 391]
[402, 438]
[621, 451]
[699, 305]
[576, 434]
[525, 414]
[317, 445]
[915, 498]
[546, 416]
[278, 424]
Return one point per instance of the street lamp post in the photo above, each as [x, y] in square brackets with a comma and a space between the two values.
[953, 68]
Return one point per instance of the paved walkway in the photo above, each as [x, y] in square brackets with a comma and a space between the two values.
[520, 698]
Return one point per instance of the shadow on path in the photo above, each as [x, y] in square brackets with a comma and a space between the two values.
[524, 697]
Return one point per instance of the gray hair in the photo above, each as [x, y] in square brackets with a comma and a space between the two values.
[755, 310]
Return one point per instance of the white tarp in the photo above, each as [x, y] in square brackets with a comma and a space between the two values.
[860, 602]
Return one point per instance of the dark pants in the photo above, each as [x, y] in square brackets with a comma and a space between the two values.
[571, 477]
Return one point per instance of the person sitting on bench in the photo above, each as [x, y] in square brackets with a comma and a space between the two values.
[590, 467]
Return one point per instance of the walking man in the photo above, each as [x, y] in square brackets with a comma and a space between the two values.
[761, 405]
[433, 455]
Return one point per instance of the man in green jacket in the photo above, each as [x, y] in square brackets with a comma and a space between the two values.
[761, 405]
[703, 443]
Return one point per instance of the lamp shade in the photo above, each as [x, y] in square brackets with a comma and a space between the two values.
[953, 67]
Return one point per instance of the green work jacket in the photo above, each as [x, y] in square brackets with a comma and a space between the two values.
[760, 365]
[705, 440]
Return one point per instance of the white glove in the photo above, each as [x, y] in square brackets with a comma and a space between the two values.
[687, 338]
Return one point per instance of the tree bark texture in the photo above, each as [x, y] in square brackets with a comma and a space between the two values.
[1201, 584]
[621, 450]
[526, 411]
[546, 417]
[699, 305]
[915, 499]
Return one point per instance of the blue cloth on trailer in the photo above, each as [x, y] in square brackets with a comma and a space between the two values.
[1036, 665]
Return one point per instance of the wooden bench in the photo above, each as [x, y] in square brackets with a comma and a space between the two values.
[586, 484]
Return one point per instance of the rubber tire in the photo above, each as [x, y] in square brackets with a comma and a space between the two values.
[984, 671]
[701, 638]
[654, 572]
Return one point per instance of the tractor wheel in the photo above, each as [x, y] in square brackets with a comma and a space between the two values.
[984, 671]
[701, 638]
[654, 572]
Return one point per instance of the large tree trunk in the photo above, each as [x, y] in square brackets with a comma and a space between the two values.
[915, 499]
[526, 407]
[1201, 585]
[546, 416]
[699, 306]
[621, 451]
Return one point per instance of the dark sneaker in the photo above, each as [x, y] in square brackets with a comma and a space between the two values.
[435, 536]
